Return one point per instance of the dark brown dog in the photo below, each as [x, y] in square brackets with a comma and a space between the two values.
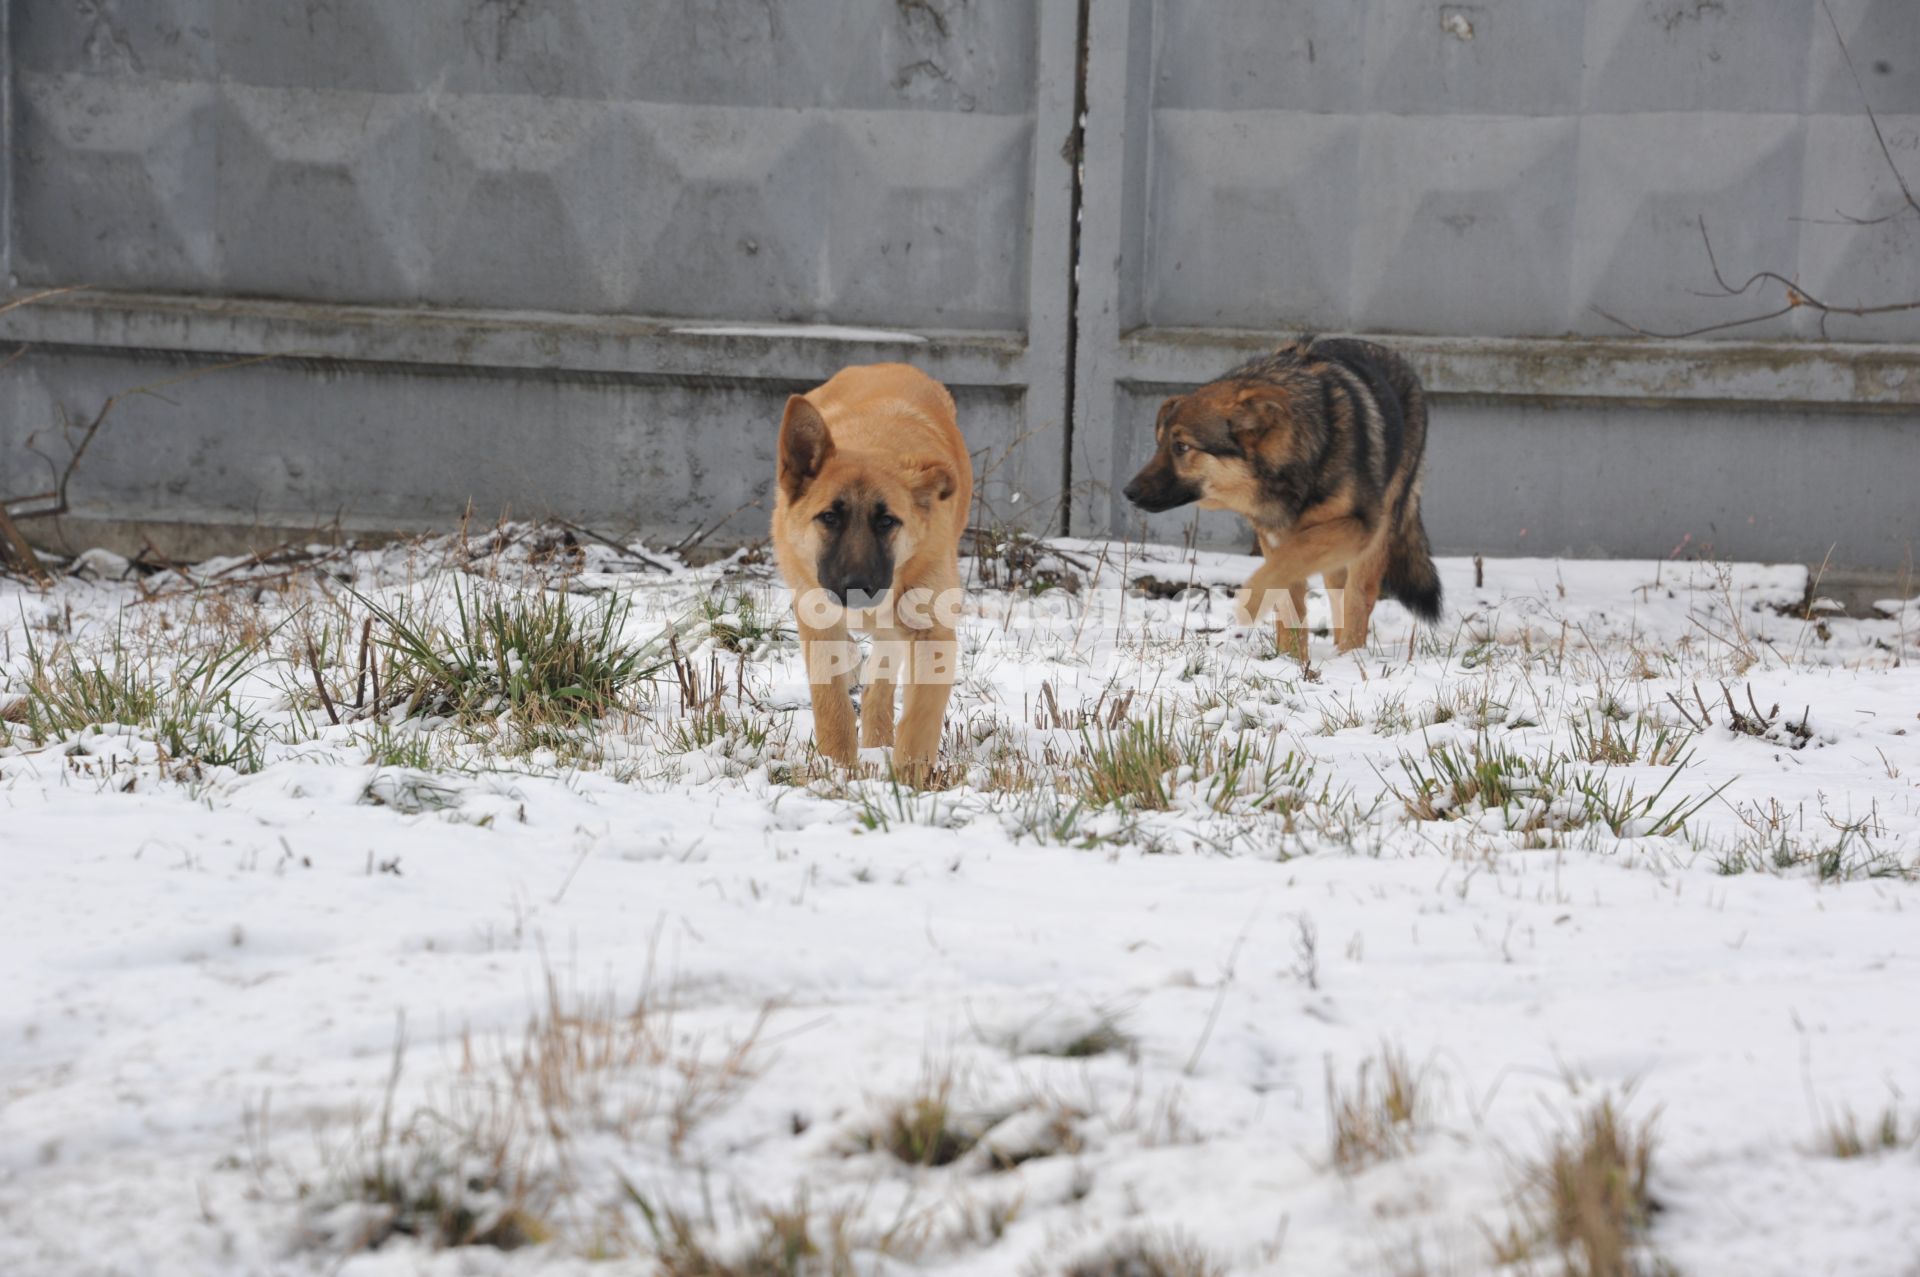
[1320, 446]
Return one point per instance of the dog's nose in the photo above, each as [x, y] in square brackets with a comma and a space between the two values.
[858, 593]
[1132, 492]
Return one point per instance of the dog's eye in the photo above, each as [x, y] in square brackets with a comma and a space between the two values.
[1181, 449]
[828, 518]
[886, 523]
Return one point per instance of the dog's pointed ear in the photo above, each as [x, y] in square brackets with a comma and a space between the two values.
[932, 481]
[805, 445]
[1258, 425]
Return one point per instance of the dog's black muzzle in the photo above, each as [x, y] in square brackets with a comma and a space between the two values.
[1154, 490]
[858, 595]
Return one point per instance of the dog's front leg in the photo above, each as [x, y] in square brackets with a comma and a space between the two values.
[891, 654]
[1290, 560]
[1269, 586]
[1264, 589]
[927, 686]
[830, 656]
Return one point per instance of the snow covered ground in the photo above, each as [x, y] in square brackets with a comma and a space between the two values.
[655, 988]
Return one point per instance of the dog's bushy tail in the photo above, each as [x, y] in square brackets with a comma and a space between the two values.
[1411, 576]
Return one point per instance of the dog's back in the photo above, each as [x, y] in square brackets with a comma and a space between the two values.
[1411, 576]
[1384, 414]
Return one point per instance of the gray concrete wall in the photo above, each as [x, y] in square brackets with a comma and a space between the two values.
[568, 257]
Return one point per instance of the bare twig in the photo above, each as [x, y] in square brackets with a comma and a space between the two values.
[1797, 297]
[40, 296]
[279, 554]
[1704, 721]
[1219, 996]
[360, 682]
[320, 685]
[699, 537]
[14, 549]
[13, 543]
[1906, 192]
[58, 495]
[1306, 952]
[201, 587]
[611, 544]
[151, 553]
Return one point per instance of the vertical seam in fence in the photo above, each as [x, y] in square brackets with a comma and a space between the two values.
[6, 141]
[1076, 166]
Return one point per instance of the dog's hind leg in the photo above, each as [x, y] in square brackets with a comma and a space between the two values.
[1353, 610]
[1362, 594]
[1290, 632]
[1336, 579]
[831, 658]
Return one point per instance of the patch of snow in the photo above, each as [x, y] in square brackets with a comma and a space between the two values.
[209, 968]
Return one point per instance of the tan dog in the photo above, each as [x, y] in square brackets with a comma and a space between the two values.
[873, 491]
[1320, 446]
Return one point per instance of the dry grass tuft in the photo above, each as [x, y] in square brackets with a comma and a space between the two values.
[1145, 763]
[538, 656]
[923, 1129]
[491, 1165]
[1607, 733]
[1376, 1119]
[1045, 1129]
[1109, 711]
[1593, 1186]
[593, 1063]
[1148, 1255]
[977, 1225]
[740, 622]
[189, 710]
[790, 1241]
[1103, 1037]
[464, 1175]
[1845, 1139]
[1128, 766]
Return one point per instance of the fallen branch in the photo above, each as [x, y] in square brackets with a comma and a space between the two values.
[699, 537]
[151, 554]
[615, 546]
